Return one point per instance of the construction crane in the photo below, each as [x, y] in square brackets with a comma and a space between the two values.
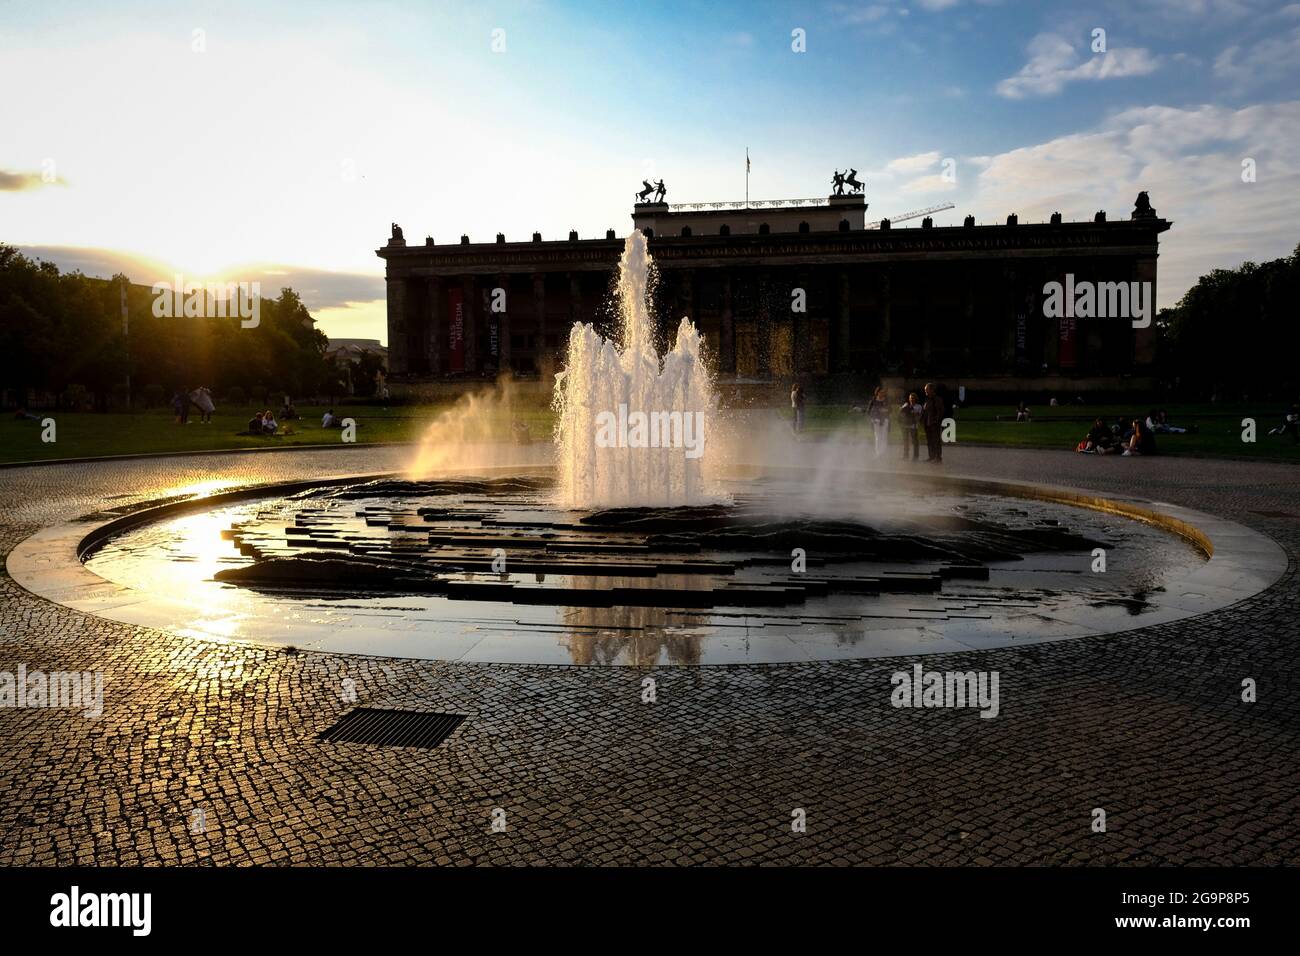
[911, 215]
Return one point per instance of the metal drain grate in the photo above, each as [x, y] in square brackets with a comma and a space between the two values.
[392, 728]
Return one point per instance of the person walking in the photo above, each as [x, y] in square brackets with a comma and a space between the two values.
[932, 417]
[797, 404]
[909, 414]
[878, 412]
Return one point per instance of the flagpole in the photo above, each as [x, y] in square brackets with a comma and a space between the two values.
[746, 177]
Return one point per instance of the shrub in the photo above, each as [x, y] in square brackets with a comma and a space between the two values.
[153, 396]
[235, 396]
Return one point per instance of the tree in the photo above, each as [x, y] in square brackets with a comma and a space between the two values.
[1234, 333]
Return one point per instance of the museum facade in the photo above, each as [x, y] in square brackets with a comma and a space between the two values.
[802, 289]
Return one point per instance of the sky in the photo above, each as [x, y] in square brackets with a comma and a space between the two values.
[275, 143]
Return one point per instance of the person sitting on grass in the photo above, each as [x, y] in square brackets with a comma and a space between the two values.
[328, 420]
[1098, 441]
[1143, 441]
[1022, 412]
[255, 425]
[1290, 424]
[269, 425]
[1158, 422]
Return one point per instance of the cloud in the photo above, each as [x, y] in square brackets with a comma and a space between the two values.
[1198, 10]
[1054, 62]
[1190, 162]
[1269, 59]
[319, 288]
[929, 184]
[913, 164]
[21, 182]
[868, 14]
[935, 6]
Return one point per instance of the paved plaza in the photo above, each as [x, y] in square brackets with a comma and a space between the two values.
[1148, 725]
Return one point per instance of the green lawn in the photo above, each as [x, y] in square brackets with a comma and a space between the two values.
[1219, 429]
[88, 435]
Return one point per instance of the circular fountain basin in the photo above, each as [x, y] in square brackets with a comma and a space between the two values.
[489, 570]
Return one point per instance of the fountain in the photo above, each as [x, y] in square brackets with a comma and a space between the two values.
[632, 427]
[637, 547]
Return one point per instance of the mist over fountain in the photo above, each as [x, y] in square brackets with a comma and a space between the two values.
[604, 381]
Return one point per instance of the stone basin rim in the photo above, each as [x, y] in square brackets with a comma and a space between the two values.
[1218, 539]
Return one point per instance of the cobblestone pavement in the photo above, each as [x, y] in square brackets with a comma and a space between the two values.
[1148, 725]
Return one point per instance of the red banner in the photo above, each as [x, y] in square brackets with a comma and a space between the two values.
[456, 329]
[1069, 333]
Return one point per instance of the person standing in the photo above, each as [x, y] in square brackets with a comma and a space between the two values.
[932, 417]
[909, 417]
[201, 398]
[878, 412]
[797, 403]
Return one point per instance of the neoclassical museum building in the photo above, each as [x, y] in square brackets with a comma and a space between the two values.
[786, 289]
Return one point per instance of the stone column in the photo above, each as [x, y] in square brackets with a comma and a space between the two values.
[922, 292]
[887, 350]
[685, 299]
[801, 344]
[575, 298]
[503, 324]
[764, 326]
[1010, 299]
[1051, 329]
[398, 363]
[437, 311]
[1144, 340]
[842, 330]
[968, 337]
[727, 333]
[543, 358]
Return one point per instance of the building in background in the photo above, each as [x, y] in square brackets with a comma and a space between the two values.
[955, 303]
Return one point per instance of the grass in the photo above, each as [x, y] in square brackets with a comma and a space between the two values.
[89, 435]
[1218, 434]
[152, 432]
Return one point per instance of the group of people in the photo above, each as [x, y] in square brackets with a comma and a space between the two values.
[263, 423]
[200, 398]
[1125, 437]
[1129, 436]
[914, 416]
[928, 415]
